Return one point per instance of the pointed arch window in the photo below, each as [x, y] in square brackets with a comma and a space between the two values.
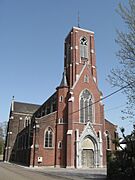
[84, 47]
[48, 138]
[86, 107]
[27, 121]
[108, 140]
[81, 110]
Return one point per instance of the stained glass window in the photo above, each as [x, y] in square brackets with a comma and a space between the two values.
[86, 107]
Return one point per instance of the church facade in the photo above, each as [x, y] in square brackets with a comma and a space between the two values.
[69, 129]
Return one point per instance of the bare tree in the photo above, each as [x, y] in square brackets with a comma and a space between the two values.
[124, 74]
[3, 126]
[1, 140]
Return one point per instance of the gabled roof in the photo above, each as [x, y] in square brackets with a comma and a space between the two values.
[110, 123]
[21, 107]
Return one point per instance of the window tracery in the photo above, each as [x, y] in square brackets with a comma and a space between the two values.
[86, 107]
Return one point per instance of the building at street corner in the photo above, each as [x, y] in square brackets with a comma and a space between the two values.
[69, 129]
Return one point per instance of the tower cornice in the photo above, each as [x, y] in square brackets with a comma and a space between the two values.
[83, 29]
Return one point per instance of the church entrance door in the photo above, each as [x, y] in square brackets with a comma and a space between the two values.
[87, 158]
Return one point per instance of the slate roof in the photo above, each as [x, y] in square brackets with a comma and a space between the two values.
[25, 107]
[64, 80]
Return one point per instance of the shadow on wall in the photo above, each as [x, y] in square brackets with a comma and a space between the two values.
[21, 150]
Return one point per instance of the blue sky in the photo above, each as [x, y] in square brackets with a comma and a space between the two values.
[32, 34]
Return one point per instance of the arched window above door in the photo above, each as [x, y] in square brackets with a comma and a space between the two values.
[86, 107]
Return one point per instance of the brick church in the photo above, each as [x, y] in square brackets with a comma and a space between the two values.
[69, 129]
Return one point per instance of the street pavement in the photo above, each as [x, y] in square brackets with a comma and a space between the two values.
[16, 172]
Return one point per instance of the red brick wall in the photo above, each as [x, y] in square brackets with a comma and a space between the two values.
[111, 128]
[15, 126]
[48, 154]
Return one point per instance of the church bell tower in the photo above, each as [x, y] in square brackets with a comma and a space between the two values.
[79, 50]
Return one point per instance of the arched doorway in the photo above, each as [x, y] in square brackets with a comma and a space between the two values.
[87, 153]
